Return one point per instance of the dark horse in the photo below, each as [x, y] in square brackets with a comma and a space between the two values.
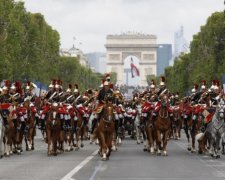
[53, 128]
[105, 130]
[162, 126]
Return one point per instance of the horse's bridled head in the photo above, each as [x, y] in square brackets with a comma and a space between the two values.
[164, 100]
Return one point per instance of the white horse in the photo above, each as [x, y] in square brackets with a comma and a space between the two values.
[2, 131]
[139, 136]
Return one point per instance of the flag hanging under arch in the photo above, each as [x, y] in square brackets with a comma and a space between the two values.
[134, 70]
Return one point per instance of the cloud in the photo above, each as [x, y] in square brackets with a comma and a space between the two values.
[91, 20]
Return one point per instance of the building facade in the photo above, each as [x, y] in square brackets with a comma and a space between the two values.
[74, 52]
[164, 56]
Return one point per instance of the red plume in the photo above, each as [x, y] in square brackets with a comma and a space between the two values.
[7, 83]
[203, 82]
[196, 86]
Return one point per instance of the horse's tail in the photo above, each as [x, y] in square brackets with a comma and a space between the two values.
[199, 136]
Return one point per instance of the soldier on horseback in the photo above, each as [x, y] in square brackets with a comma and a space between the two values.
[4, 100]
[162, 90]
[104, 93]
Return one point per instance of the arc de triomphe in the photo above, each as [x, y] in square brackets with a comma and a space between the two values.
[142, 46]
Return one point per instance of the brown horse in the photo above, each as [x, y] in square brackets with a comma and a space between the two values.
[105, 130]
[176, 123]
[30, 129]
[53, 128]
[162, 126]
[9, 135]
[80, 129]
[151, 135]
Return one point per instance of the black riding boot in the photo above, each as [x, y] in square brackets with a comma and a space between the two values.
[94, 122]
[5, 122]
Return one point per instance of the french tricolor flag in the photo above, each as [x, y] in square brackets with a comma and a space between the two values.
[134, 70]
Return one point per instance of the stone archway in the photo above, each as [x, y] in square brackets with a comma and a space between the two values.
[142, 46]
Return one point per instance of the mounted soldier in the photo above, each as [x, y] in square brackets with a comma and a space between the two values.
[69, 97]
[51, 89]
[5, 101]
[195, 95]
[162, 90]
[162, 86]
[101, 98]
[30, 91]
[152, 87]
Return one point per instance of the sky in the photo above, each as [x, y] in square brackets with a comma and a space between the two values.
[88, 22]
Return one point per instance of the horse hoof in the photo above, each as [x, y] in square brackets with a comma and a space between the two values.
[223, 153]
[193, 151]
[189, 149]
[138, 142]
[145, 149]
[200, 152]
[217, 156]
[1, 156]
[81, 145]
[104, 159]
[32, 148]
[165, 153]
[7, 155]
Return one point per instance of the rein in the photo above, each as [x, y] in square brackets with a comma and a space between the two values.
[163, 114]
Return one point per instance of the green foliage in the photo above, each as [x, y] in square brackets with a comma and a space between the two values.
[29, 49]
[206, 60]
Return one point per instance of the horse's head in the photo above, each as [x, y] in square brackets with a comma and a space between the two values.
[221, 109]
[26, 103]
[164, 100]
[108, 112]
[53, 113]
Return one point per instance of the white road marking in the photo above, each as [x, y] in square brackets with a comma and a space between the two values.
[79, 166]
[96, 170]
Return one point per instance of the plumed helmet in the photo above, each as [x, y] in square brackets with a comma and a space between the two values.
[107, 77]
[203, 84]
[162, 81]
[69, 89]
[194, 90]
[76, 89]
[152, 84]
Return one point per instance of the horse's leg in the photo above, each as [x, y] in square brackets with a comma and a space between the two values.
[34, 133]
[77, 138]
[188, 138]
[146, 143]
[104, 147]
[158, 142]
[54, 142]
[165, 139]
[193, 141]
[113, 143]
[48, 135]
[151, 139]
[82, 136]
